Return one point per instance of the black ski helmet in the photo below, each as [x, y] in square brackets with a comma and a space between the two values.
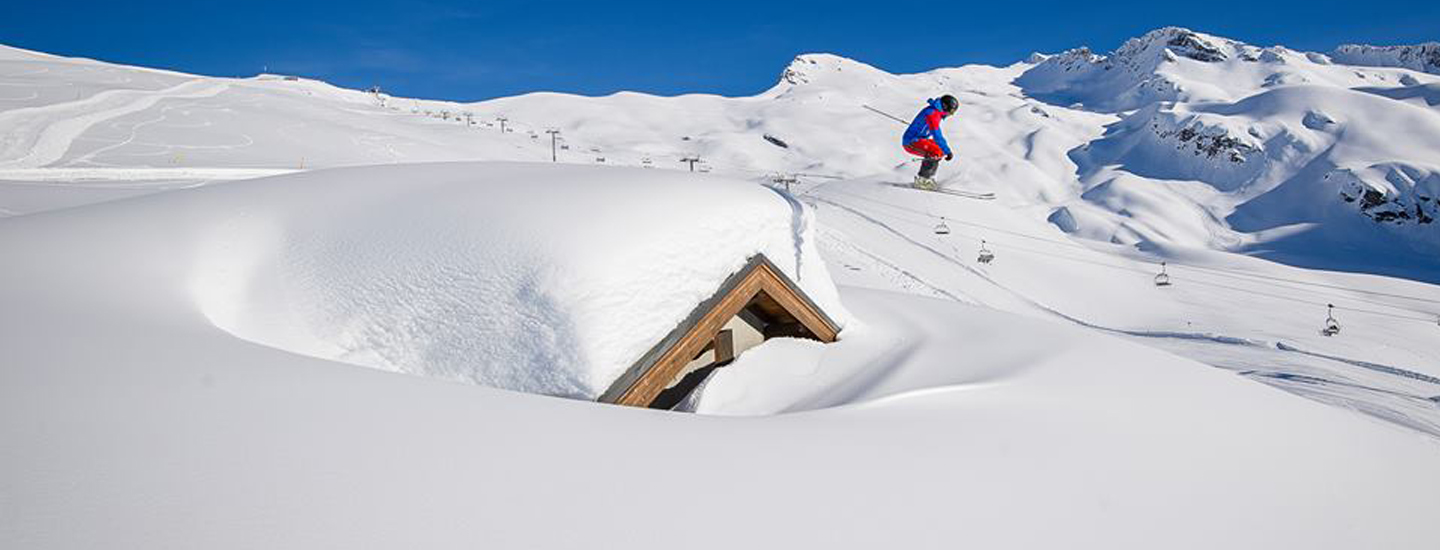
[949, 104]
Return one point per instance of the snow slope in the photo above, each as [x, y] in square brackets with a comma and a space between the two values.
[1266, 159]
[532, 277]
[1026, 131]
[179, 367]
[1318, 184]
[139, 423]
[1250, 316]
[1420, 57]
[122, 117]
[1254, 139]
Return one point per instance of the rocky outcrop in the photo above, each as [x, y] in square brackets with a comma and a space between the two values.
[1419, 57]
[1391, 193]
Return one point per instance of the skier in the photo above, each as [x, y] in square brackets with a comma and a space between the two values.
[924, 139]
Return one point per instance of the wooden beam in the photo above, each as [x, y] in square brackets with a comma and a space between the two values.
[656, 369]
[654, 381]
[724, 344]
[779, 288]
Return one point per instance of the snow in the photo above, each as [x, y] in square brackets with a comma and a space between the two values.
[537, 278]
[1420, 57]
[1291, 155]
[194, 267]
[1416, 94]
[1175, 64]
[1242, 314]
[980, 436]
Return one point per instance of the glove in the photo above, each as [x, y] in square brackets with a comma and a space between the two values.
[949, 156]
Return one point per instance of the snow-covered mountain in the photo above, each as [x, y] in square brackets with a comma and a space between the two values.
[1269, 146]
[1178, 140]
[1420, 57]
[184, 351]
[1277, 138]
[192, 268]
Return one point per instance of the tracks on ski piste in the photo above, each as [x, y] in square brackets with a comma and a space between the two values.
[986, 196]
[1381, 403]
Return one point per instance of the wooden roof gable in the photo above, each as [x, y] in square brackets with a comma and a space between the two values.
[758, 290]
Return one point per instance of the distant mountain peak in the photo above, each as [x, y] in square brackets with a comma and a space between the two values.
[1143, 70]
[1419, 57]
[1182, 42]
[811, 67]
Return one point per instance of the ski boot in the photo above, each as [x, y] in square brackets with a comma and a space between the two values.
[927, 184]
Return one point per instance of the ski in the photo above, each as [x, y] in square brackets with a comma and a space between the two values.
[955, 192]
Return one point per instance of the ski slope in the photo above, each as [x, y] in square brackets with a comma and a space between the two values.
[1070, 178]
[1259, 319]
[240, 311]
[143, 421]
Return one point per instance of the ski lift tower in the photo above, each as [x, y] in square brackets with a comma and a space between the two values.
[785, 180]
[692, 160]
[554, 141]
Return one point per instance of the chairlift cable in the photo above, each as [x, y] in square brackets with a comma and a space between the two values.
[1216, 271]
[1429, 319]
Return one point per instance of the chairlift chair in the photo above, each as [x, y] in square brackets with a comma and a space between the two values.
[941, 228]
[1332, 327]
[986, 255]
[1163, 279]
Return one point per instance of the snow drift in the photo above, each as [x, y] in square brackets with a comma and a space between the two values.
[157, 433]
[537, 278]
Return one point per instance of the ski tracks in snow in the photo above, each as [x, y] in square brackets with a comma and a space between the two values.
[896, 274]
[1411, 410]
[39, 136]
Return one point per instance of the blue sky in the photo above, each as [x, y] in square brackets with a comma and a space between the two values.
[477, 50]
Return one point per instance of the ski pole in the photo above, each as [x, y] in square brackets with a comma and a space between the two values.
[884, 114]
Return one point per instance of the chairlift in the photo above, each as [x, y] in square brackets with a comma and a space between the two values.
[941, 228]
[1163, 279]
[986, 255]
[1332, 327]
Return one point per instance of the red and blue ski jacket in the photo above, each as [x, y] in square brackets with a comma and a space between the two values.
[927, 126]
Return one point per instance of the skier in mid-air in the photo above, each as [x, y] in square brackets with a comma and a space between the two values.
[924, 139]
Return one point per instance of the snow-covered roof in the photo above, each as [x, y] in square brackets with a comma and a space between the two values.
[532, 277]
